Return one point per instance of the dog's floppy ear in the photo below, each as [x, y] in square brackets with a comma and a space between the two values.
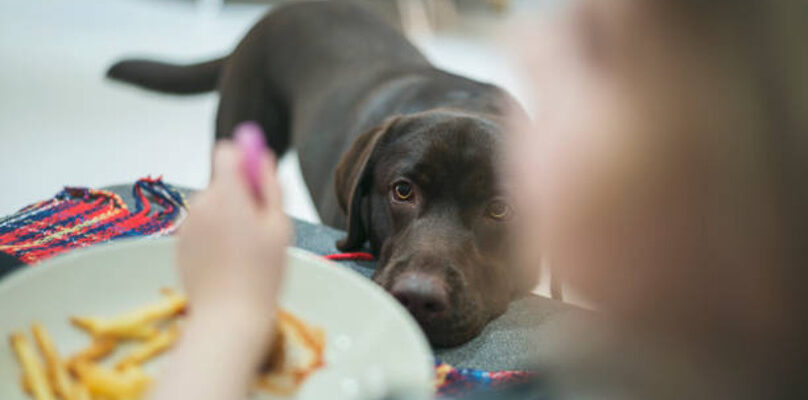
[353, 182]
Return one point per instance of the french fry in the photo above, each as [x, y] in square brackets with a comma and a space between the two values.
[25, 383]
[33, 370]
[57, 370]
[287, 369]
[136, 324]
[150, 348]
[129, 383]
[98, 349]
[98, 327]
[80, 392]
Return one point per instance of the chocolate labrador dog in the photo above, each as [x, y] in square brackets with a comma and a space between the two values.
[415, 149]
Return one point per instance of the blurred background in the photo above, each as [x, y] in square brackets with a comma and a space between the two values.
[63, 123]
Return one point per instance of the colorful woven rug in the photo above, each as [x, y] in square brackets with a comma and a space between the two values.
[453, 382]
[79, 217]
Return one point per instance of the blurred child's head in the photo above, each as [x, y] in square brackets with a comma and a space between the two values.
[664, 174]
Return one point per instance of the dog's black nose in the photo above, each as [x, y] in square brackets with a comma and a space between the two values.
[424, 295]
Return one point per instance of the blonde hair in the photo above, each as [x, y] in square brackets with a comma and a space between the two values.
[759, 46]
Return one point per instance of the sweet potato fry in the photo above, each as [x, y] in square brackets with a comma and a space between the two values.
[136, 324]
[150, 348]
[57, 370]
[33, 370]
[126, 384]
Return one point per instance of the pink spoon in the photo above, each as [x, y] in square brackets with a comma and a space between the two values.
[249, 137]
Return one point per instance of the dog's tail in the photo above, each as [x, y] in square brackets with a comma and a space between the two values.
[169, 78]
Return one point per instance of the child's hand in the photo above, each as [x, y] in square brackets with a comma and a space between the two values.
[232, 247]
[231, 254]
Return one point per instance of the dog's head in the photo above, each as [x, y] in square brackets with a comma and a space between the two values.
[424, 191]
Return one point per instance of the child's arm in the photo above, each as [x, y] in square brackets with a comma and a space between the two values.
[230, 254]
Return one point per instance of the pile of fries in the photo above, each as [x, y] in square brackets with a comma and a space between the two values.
[296, 352]
[79, 377]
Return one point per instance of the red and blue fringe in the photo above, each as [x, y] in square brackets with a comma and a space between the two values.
[79, 217]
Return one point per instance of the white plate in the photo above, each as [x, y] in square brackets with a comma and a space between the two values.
[372, 343]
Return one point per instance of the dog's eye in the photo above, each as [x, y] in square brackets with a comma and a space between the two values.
[499, 210]
[402, 190]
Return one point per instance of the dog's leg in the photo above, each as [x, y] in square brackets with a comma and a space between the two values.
[246, 97]
[556, 286]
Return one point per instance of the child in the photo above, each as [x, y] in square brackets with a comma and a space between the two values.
[665, 179]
